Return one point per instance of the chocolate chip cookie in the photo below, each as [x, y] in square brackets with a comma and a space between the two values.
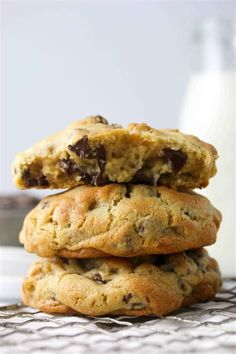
[148, 285]
[93, 152]
[119, 220]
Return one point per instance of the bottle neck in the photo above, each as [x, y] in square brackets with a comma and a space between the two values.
[216, 42]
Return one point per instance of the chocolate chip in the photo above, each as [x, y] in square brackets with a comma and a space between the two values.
[98, 278]
[84, 151]
[42, 181]
[84, 176]
[26, 174]
[126, 298]
[66, 164]
[101, 156]
[128, 191]
[69, 166]
[97, 179]
[30, 181]
[175, 159]
[92, 205]
[141, 229]
[82, 148]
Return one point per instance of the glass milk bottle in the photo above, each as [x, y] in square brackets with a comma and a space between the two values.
[209, 112]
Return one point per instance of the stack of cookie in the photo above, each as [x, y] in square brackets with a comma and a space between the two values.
[127, 236]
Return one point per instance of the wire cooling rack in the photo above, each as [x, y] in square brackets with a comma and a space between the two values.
[205, 328]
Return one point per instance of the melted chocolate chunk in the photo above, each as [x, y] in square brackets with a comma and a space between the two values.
[82, 148]
[42, 181]
[175, 159]
[97, 179]
[69, 166]
[26, 174]
[98, 278]
[28, 180]
[84, 151]
[101, 156]
[34, 181]
[126, 298]
[86, 178]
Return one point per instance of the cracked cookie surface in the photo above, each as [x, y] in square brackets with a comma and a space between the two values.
[147, 285]
[93, 152]
[119, 220]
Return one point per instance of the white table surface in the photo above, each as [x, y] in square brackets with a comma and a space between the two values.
[14, 264]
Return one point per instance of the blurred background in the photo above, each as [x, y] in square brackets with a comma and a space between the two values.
[168, 63]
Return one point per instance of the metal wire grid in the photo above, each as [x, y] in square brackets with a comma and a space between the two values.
[207, 328]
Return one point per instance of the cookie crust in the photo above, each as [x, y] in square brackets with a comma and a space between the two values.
[119, 220]
[149, 285]
[93, 152]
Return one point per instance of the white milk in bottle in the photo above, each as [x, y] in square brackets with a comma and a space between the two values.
[209, 113]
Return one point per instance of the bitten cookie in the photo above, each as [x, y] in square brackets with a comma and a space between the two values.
[119, 220]
[93, 152]
[136, 286]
